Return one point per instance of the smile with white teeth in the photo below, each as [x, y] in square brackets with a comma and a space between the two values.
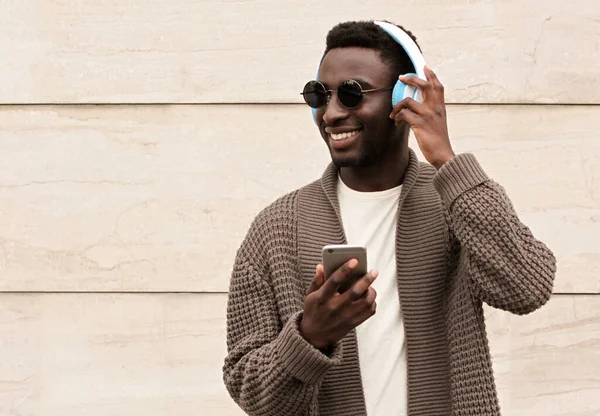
[344, 135]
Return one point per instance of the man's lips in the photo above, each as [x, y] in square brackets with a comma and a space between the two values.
[341, 129]
[340, 141]
[342, 132]
[343, 135]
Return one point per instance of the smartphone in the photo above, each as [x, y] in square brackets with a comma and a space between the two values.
[335, 255]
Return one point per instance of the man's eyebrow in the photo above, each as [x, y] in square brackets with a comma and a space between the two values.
[364, 83]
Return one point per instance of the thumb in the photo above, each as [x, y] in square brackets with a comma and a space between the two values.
[318, 281]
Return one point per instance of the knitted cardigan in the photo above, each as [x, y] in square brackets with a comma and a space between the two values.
[458, 242]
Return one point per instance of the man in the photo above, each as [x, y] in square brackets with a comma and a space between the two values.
[442, 238]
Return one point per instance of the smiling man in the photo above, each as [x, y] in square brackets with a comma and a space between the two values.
[408, 338]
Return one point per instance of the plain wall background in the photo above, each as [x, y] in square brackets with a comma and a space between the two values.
[138, 139]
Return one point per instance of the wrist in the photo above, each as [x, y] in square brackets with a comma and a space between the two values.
[327, 350]
[299, 358]
[321, 346]
[441, 161]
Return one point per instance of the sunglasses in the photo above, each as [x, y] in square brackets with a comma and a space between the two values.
[349, 93]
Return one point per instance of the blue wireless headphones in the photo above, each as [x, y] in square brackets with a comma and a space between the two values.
[401, 90]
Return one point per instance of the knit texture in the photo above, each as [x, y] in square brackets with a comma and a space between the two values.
[459, 243]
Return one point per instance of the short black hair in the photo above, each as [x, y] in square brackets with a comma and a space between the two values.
[368, 34]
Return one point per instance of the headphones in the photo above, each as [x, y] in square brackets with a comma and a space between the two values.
[401, 90]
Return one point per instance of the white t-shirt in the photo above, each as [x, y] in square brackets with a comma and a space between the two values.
[369, 218]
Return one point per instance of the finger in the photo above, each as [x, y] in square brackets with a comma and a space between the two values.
[340, 276]
[371, 296]
[317, 282]
[369, 308]
[414, 106]
[432, 77]
[358, 289]
[407, 115]
[423, 85]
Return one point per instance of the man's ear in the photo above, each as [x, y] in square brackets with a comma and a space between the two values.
[402, 131]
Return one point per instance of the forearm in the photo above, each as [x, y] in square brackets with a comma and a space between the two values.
[279, 377]
[508, 267]
[270, 369]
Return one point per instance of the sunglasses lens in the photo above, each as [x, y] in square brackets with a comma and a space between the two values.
[350, 93]
[314, 94]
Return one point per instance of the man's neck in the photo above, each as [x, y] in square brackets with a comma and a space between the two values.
[386, 174]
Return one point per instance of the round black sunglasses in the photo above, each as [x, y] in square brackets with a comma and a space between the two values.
[350, 93]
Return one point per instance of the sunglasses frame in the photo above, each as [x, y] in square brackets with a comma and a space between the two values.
[330, 92]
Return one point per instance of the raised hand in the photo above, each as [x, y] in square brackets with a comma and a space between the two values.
[328, 315]
[427, 119]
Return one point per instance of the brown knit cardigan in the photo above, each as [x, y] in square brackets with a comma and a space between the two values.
[459, 243]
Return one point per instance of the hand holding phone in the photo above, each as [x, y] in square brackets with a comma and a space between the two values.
[334, 256]
[330, 315]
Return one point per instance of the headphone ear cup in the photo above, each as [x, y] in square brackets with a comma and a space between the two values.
[401, 91]
[398, 92]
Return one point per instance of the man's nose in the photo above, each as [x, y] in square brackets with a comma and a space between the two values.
[334, 111]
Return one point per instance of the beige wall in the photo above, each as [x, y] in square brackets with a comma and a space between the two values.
[119, 221]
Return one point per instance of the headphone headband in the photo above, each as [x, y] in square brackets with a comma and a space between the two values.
[408, 44]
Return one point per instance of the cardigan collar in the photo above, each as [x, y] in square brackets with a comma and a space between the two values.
[329, 181]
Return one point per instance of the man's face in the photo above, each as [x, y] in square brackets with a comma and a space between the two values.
[362, 135]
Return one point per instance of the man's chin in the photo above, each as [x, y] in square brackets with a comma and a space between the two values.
[355, 157]
[350, 161]
[344, 161]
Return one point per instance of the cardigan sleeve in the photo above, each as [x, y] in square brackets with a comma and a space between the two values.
[508, 268]
[270, 369]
